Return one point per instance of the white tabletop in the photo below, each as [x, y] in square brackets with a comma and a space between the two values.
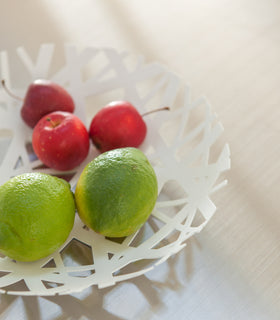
[228, 51]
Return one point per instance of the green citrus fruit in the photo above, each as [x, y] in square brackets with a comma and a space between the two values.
[36, 215]
[116, 192]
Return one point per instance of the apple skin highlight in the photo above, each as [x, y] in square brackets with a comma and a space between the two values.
[117, 125]
[43, 97]
[60, 140]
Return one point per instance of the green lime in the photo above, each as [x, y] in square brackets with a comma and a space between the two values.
[37, 213]
[117, 192]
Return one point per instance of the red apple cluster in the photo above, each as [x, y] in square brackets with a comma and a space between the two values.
[60, 139]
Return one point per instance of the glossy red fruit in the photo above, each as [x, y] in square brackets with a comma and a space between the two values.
[117, 125]
[43, 97]
[60, 140]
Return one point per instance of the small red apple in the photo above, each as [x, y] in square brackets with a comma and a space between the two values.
[117, 125]
[60, 140]
[43, 97]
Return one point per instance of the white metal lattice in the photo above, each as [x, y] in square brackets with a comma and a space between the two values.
[180, 145]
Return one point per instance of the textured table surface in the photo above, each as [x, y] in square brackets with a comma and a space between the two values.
[228, 51]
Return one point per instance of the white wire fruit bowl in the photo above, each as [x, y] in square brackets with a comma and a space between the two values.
[182, 145]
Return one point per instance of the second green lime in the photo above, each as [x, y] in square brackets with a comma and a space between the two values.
[116, 192]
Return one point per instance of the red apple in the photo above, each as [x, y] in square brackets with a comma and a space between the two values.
[43, 97]
[117, 125]
[60, 140]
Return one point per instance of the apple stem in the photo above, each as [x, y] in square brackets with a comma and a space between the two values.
[10, 92]
[53, 123]
[155, 110]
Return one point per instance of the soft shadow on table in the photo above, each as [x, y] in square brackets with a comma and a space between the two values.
[126, 26]
[26, 24]
[29, 24]
[93, 305]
